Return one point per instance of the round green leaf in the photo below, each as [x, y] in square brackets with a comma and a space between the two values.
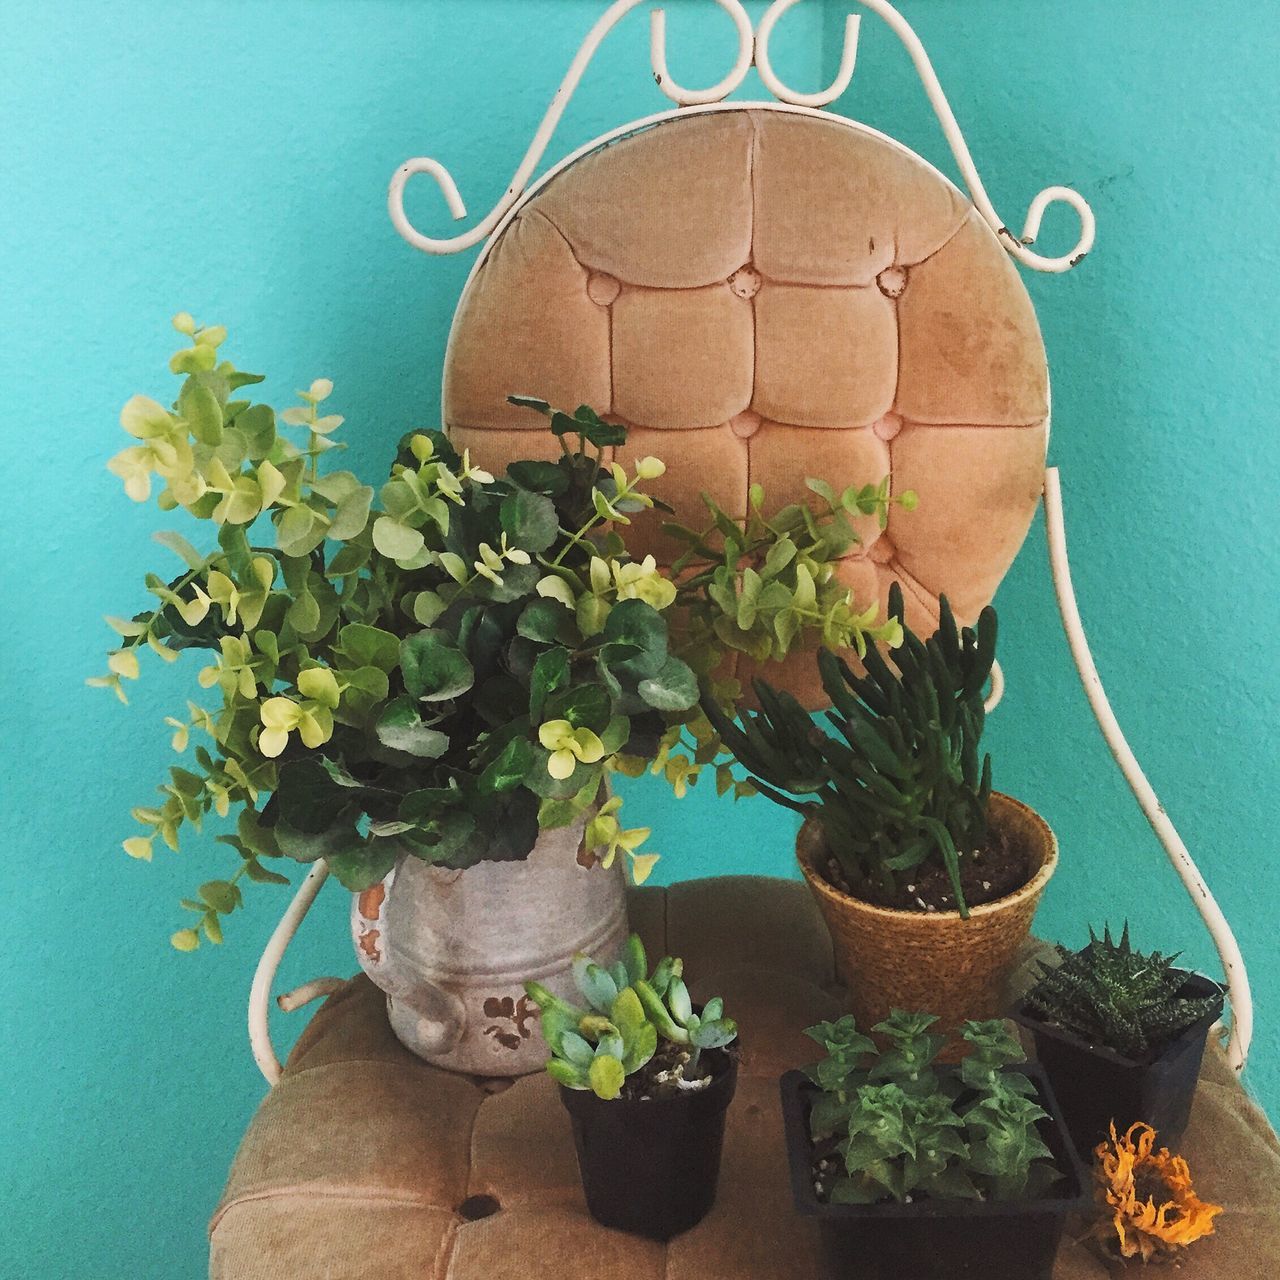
[637, 623]
[529, 520]
[400, 727]
[395, 540]
[370, 646]
[202, 412]
[674, 688]
[433, 668]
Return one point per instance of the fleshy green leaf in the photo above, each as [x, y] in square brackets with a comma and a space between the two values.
[400, 727]
[607, 1076]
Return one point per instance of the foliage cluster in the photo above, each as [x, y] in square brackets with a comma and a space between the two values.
[444, 667]
[903, 784]
[906, 1129]
[628, 1012]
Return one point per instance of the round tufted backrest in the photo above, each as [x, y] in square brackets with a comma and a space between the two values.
[763, 296]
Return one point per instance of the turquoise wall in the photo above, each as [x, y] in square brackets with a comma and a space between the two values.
[231, 159]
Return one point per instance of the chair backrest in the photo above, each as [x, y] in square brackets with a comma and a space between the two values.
[762, 295]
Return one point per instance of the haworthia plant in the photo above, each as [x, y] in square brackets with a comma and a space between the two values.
[1109, 994]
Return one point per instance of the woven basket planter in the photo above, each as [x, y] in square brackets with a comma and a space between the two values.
[932, 961]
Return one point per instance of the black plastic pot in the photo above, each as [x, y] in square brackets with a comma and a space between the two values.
[651, 1167]
[937, 1239]
[1094, 1085]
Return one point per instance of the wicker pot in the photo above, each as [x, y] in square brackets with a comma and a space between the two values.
[932, 961]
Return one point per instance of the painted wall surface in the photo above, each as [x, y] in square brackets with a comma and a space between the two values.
[231, 159]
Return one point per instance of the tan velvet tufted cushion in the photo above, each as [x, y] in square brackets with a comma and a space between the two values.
[761, 296]
[361, 1162]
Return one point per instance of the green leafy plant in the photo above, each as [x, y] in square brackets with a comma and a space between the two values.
[903, 784]
[755, 586]
[628, 1013]
[439, 669]
[898, 1128]
[1109, 994]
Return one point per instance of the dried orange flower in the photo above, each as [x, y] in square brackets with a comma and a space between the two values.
[1155, 1210]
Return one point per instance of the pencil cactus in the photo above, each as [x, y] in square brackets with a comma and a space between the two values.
[628, 1013]
[903, 783]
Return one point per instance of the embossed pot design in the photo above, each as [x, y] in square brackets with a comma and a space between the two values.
[453, 949]
[933, 960]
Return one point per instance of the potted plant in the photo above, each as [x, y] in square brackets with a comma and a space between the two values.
[646, 1077]
[915, 1170]
[428, 687]
[927, 878]
[1121, 1033]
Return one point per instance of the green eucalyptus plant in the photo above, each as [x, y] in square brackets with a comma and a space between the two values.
[755, 586]
[1109, 994]
[627, 1013]
[444, 667]
[903, 1129]
[902, 784]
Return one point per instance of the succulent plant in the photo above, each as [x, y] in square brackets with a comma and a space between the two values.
[903, 783]
[629, 1012]
[1109, 994]
[905, 1129]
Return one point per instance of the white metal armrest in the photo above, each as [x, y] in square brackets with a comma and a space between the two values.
[1194, 883]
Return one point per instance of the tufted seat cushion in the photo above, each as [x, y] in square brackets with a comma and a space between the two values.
[364, 1163]
[763, 296]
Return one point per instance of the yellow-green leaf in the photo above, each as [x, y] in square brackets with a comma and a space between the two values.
[138, 847]
[606, 1075]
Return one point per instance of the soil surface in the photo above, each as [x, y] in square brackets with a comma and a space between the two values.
[999, 868]
[668, 1073]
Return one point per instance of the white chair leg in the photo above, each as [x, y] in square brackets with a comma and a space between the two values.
[260, 992]
[1228, 949]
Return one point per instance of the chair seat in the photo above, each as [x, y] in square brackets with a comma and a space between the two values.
[364, 1162]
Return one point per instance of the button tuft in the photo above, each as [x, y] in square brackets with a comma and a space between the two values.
[893, 281]
[602, 289]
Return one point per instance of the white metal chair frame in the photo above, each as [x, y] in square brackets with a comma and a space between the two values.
[753, 48]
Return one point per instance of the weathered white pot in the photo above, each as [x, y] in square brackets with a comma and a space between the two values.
[453, 949]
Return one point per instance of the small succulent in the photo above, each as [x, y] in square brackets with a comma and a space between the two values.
[627, 1015]
[1109, 994]
[903, 1129]
[903, 783]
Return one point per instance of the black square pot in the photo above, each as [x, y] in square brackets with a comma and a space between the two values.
[937, 1239]
[1094, 1085]
[651, 1167]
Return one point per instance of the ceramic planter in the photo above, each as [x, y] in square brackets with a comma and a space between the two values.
[937, 1239]
[651, 1167]
[453, 949]
[1095, 1085]
[892, 959]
